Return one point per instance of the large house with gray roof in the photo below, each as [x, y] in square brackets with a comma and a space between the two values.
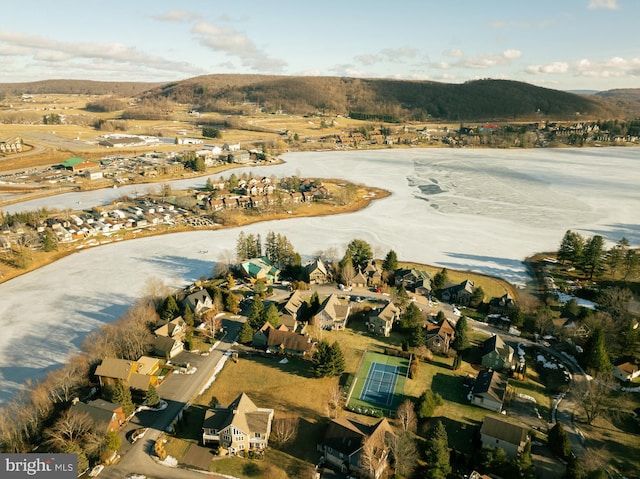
[498, 431]
[238, 428]
[333, 314]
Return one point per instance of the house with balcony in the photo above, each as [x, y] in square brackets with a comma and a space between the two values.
[238, 428]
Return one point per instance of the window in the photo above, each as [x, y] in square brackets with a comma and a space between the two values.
[257, 435]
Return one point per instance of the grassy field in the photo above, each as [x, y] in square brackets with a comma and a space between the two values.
[292, 389]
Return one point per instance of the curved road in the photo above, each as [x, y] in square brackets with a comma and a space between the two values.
[178, 390]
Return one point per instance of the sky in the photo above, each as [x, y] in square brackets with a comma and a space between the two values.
[559, 44]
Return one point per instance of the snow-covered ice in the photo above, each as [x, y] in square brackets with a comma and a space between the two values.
[483, 210]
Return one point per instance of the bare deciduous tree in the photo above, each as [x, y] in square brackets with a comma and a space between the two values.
[592, 396]
[284, 430]
[404, 452]
[335, 401]
[373, 457]
[70, 432]
[406, 416]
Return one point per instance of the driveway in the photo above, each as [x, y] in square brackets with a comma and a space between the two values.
[178, 390]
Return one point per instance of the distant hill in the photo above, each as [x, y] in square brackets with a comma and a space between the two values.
[370, 99]
[383, 99]
[626, 99]
[76, 87]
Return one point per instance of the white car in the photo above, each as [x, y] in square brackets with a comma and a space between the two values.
[133, 475]
[96, 470]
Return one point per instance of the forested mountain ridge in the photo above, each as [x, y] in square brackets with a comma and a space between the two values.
[387, 99]
[367, 98]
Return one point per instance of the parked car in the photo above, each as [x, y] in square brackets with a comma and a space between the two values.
[96, 470]
[137, 434]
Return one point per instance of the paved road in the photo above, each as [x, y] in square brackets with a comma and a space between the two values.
[567, 405]
[178, 390]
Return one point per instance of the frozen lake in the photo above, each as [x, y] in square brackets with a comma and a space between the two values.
[484, 210]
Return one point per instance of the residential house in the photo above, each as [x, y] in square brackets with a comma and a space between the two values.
[413, 280]
[131, 373]
[199, 301]
[359, 280]
[498, 431]
[317, 272]
[260, 268]
[238, 428]
[460, 293]
[291, 312]
[381, 320]
[489, 390]
[106, 416]
[628, 370]
[504, 304]
[176, 329]
[439, 337]
[333, 314]
[496, 354]
[345, 442]
[167, 347]
[282, 341]
[373, 273]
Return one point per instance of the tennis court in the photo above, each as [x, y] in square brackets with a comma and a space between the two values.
[380, 384]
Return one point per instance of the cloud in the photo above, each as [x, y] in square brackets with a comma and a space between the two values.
[233, 43]
[555, 67]
[608, 4]
[49, 51]
[177, 16]
[393, 55]
[489, 61]
[453, 52]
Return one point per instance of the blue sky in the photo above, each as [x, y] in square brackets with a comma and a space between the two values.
[560, 44]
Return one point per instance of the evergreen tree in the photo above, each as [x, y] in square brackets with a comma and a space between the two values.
[230, 301]
[427, 404]
[169, 309]
[571, 247]
[437, 453]
[271, 315]
[120, 394]
[412, 318]
[559, 442]
[255, 317]
[152, 397]
[188, 316]
[314, 303]
[461, 339]
[440, 279]
[246, 333]
[50, 242]
[329, 360]
[477, 297]
[390, 263]
[360, 252]
[595, 355]
[524, 463]
[574, 468]
[593, 256]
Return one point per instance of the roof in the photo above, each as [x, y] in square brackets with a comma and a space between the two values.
[629, 368]
[490, 383]
[443, 329]
[347, 436]
[294, 303]
[71, 162]
[332, 307]
[147, 364]
[359, 278]
[288, 340]
[389, 312]
[260, 267]
[116, 368]
[318, 264]
[242, 413]
[494, 343]
[99, 415]
[501, 428]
